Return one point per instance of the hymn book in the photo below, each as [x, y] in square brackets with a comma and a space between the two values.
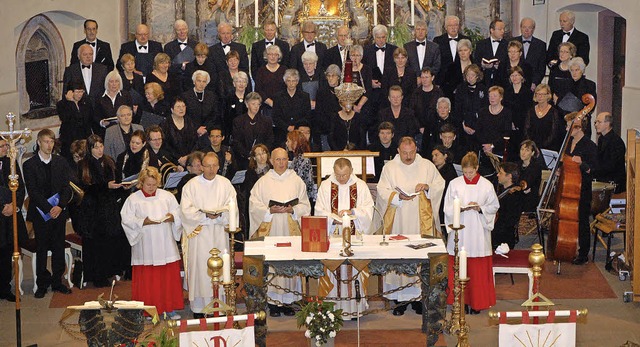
[399, 190]
[291, 203]
[160, 220]
[217, 211]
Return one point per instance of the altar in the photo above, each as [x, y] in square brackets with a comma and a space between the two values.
[262, 259]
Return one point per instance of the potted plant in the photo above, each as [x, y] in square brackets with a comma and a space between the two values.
[321, 320]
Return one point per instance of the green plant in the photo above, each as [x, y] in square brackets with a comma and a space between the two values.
[166, 338]
[401, 34]
[474, 36]
[248, 35]
[320, 319]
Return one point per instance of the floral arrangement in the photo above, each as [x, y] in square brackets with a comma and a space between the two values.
[320, 319]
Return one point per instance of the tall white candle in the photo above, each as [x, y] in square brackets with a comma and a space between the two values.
[276, 12]
[255, 15]
[233, 216]
[463, 263]
[375, 12]
[237, 3]
[413, 13]
[456, 212]
[346, 221]
[226, 267]
[393, 13]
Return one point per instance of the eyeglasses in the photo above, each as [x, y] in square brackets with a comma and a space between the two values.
[541, 94]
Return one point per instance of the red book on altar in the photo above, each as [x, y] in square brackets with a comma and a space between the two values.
[314, 234]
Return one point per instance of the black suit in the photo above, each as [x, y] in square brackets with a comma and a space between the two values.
[333, 56]
[378, 97]
[578, 38]
[103, 53]
[432, 56]
[611, 152]
[216, 53]
[43, 181]
[484, 50]
[536, 57]
[144, 61]
[73, 73]
[76, 122]
[446, 58]
[257, 54]
[295, 58]
[173, 48]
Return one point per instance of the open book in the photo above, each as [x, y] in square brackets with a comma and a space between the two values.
[131, 180]
[405, 193]
[490, 61]
[159, 220]
[216, 211]
[283, 204]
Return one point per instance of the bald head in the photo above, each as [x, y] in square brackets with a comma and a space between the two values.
[85, 54]
[279, 160]
[142, 34]
[210, 165]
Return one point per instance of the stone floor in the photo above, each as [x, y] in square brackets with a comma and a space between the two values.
[610, 322]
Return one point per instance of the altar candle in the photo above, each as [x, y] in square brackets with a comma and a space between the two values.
[237, 3]
[233, 216]
[375, 12]
[456, 212]
[226, 267]
[276, 12]
[255, 15]
[346, 221]
[393, 13]
[463, 263]
[413, 13]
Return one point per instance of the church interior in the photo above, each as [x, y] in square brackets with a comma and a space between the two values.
[40, 36]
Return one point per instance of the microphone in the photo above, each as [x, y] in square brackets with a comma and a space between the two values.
[113, 284]
[358, 296]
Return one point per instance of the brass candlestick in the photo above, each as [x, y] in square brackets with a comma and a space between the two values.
[463, 331]
[230, 288]
[214, 267]
[452, 326]
[346, 242]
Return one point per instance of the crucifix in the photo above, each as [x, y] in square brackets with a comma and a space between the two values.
[12, 137]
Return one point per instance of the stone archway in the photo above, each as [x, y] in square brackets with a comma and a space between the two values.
[40, 40]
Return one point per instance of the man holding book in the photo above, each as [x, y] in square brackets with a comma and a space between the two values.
[205, 207]
[409, 192]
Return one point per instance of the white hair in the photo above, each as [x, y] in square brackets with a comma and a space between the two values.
[201, 73]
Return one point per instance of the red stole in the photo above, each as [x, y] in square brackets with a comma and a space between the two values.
[353, 197]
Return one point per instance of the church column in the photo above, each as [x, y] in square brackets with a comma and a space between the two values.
[460, 12]
[179, 9]
[145, 11]
[124, 22]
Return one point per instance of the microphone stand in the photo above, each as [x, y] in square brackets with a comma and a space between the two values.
[358, 299]
[384, 236]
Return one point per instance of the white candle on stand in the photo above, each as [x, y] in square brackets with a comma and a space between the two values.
[276, 12]
[375, 12]
[393, 13]
[346, 221]
[237, 13]
[255, 15]
[463, 263]
[413, 13]
[456, 213]
[226, 267]
[233, 216]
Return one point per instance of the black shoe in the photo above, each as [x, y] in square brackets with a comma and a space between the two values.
[288, 311]
[40, 293]
[473, 312]
[580, 260]
[198, 315]
[8, 296]
[61, 289]
[274, 311]
[399, 310]
[417, 306]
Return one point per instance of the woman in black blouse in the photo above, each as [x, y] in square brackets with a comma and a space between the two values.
[200, 62]
[132, 82]
[226, 77]
[493, 128]
[327, 105]
[347, 130]
[530, 172]
[155, 102]
[518, 97]
[402, 117]
[250, 129]
[180, 133]
[290, 107]
[170, 82]
[403, 75]
[454, 74]
[559, 75]
[515, 54]
[108, 104]
[362, 76]
[470, 97]
[543, 124]
[270, 78]
[234, 105]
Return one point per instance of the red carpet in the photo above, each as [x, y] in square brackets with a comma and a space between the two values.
[574, 282]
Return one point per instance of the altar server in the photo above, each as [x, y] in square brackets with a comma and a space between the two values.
[151, 221]
[204, 230]
[281, 185]
[409, 194]
[344, 193]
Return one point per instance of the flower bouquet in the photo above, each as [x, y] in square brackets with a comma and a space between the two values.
[320, 319]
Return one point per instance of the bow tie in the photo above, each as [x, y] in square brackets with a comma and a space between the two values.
[568, 33]
[311, 44]
[225, 46]
[86, 66]
[341, 48]
[182, 43]
[498, 41]
[526, 41]
[268, 43]
[454, 39]
[380, 48]
[93, 44]
[423, 43]
[142, 47]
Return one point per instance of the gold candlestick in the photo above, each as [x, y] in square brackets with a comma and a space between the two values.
[452, 326]
[463, 331]
[230, 292]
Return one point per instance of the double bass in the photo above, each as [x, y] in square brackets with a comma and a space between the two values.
[559, 203]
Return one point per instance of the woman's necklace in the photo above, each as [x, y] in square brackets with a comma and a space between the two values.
[541, 112]
[495, 111]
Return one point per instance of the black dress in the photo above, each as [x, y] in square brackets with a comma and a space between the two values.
[327, 105]
[172, 87]
[233, 108]
[289, 111]
[192, 67]
[344, 132]
[532, 174]
[469, 99]
[249, 132]
[363, 79]
[203, 108]
[134, 86]
[424, 105]
[405, 125]
[493, 128]
[179, 142]
[547, 132]
[76, 122]
[408, 82]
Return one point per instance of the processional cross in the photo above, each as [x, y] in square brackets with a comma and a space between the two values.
[12, 137]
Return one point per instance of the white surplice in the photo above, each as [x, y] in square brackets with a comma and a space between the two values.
[281, 188]
[152, 244]
[476, 235]
[202, 194]
[363, 211]
[397, 174]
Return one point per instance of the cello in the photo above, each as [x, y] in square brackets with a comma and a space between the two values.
[562, 193]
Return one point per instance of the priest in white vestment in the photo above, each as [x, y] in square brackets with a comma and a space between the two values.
[204, 231]
[409, 194]
[282, 185]
[344, 193]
